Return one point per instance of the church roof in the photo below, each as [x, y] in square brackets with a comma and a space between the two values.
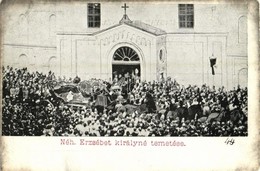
[147, 28]
[136, 24]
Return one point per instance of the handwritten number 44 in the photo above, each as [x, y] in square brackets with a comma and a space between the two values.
[230, 141]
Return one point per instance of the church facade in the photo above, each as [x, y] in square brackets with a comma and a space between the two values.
[153, 40]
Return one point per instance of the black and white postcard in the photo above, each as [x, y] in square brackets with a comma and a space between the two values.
[129, 85]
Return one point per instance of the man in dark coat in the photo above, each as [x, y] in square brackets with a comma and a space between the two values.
[151, 107]
[195, 110]
[182, 112]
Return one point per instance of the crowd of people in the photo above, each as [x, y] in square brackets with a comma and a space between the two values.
[32, 108]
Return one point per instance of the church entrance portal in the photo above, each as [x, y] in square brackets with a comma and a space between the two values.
[126, 63]
[125, 70]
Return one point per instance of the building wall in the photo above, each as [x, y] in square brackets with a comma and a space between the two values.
[33, 57]
[31, 33]
[192, 52]
[40, 20]
[90, 56]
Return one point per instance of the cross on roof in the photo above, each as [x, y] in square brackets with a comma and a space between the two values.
[125, 7]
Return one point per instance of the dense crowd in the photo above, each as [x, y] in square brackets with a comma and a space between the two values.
[31, 108]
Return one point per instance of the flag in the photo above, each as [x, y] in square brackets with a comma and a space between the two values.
[212, 64]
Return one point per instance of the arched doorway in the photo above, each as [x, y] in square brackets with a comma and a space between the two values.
[126, 63]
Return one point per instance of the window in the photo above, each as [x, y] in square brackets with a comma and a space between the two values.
[161, 55]
[94, 15]
[242, 29]
[125, 54]
[186, 15]
[52, 25]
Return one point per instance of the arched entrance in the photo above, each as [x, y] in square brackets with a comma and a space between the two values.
[126, 63]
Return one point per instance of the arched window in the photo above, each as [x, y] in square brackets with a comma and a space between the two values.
[23, 61]
[126, 63]
[23, 25]
[52, 24]
[242, 29]
[52, 64]
[125, 54]
[243, 77]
